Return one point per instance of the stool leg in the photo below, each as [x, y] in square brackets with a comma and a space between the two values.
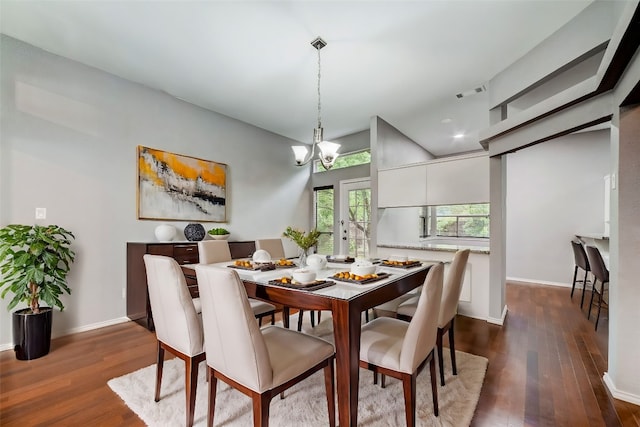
[575, 275]
[584, 285]
[593, 290]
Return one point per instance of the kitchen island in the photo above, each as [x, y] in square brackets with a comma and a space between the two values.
[474, 299]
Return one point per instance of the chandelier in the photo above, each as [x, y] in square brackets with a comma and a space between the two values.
[327, 151]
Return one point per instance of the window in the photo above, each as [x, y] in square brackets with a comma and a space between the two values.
[346, 160]
[456, 221]
[324, 219]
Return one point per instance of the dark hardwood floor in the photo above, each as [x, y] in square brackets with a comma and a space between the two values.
[545, 369]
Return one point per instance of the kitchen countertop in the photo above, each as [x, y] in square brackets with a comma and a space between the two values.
[425, 246]
[599, 236]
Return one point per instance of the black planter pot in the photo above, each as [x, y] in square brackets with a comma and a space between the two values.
[32, 333]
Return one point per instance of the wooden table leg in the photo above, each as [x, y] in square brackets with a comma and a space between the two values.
[346, 331]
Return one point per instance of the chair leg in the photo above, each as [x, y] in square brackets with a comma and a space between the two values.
[584, 285]
[300, 313]
[600, 294]
[439, 335]
[452, 348]
[159, 366]
[366, 316]
[273, 317]
[191, 382]
[319, 315]
[312, 314]
[213, 381]
[575, 275]
[383, 380]
[593, 290]
[375, 378]
[409, 388]
[434, 387]
[261, 410]
[330, 388]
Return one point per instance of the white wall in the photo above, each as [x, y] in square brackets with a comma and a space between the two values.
[68, 144]
[554, 190]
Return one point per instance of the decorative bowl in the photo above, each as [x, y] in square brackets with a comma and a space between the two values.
[219, 236]
[362, 268]
[303, 275]
[316, 262]
[261, 256]
[397, 257]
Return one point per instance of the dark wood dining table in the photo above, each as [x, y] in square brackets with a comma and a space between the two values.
[346, 301]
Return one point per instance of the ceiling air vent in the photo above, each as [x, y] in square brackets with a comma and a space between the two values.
[471, 92]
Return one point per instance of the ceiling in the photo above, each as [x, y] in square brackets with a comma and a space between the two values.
[401, 60]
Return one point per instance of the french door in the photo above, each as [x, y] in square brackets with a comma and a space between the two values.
[355, 217]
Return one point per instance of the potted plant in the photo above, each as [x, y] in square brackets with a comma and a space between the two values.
[305, 241]
[34, 263]
[219, 233]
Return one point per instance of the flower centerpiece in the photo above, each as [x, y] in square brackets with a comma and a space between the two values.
[304, 240]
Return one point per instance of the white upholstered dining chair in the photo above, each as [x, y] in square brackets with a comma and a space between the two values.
[212, 251]
[448, 308]
[401, 349]
[177, 323]
[273, 246]
[259, 363]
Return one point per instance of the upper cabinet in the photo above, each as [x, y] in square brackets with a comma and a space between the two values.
[449, 181]
[403, 186]
[458, 181]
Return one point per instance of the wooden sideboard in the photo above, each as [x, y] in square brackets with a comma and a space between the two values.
[138, 308]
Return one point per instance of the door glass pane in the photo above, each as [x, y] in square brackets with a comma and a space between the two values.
[359, 222]
[324, 220]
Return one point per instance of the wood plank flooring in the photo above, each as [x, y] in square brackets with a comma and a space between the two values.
[545, 369]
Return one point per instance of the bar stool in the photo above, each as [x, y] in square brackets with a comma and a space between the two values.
[600, 274]
[581, 261]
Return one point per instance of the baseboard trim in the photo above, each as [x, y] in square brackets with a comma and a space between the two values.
[538, 282]
[9, 346]
[498, 321]
[618, 394]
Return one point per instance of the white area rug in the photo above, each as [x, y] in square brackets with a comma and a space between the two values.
[305, 403]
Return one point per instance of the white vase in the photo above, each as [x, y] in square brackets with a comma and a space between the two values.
[165, 232]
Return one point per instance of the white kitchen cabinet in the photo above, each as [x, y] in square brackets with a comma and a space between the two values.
[403, 186]
[458, 180]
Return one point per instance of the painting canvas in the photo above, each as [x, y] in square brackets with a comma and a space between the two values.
[178, 187]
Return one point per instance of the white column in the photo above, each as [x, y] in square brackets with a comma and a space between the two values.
[498, 245]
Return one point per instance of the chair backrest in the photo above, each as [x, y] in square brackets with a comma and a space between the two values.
[598, 267]
[453, 287]
[273, 246]
[174, 315]
[421, 334]
[210, 251]
[579, 255]
[231, 329]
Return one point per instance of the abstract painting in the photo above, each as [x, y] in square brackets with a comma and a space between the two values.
[177, 187]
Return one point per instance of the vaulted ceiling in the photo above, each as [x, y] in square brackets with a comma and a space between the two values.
[404, 61]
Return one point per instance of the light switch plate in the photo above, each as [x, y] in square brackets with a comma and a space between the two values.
[41, 213]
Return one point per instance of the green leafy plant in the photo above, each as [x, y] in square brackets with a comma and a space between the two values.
[34, 263]
[218, 231]
[302, 239]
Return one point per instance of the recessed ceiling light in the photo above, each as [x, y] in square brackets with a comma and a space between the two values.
[446, 121]
[458, 135]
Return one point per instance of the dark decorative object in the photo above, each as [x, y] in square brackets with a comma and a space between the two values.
[194, 232]
[32, 333]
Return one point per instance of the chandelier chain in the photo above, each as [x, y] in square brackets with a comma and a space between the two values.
[319, 103]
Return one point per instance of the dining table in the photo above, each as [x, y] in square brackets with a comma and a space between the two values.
[346, 300]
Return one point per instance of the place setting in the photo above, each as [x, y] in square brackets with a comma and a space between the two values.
[302, 278]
